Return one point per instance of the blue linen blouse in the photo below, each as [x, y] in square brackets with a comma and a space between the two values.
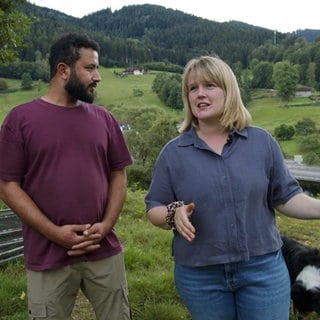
[234, 194]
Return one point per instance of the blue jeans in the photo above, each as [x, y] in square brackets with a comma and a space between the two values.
[258, 289]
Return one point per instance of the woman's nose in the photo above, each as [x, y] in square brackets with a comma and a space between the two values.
[201, 91]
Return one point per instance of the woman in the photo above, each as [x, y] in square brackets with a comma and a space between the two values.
[217, 185]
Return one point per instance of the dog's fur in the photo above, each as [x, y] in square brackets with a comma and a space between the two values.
[303, 263]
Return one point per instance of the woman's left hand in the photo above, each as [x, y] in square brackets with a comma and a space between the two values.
[182, 221]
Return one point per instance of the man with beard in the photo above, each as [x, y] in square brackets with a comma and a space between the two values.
[63, 172]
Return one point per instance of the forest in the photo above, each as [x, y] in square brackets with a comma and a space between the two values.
[158, 38]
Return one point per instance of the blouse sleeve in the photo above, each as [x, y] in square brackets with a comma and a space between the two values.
[283, 185]
[160, 191]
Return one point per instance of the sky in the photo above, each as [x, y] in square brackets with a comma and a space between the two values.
[278, 15]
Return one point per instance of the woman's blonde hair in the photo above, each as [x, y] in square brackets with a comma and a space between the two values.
[214, 70]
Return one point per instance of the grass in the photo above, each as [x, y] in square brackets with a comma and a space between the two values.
[13, 292]
[149, 272]
[115, 90]
[268, 113]
[149, 268]
[147, 249]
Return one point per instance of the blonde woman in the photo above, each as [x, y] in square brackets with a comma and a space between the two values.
[217, 186]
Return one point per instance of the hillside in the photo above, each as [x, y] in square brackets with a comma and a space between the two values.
[144, 33]
[183, 33]
[308, 34]
[157, 38]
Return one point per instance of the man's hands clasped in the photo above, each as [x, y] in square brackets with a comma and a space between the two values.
[80, 239]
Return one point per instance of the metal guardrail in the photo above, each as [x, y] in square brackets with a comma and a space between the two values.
[304, 172]
[11, 242]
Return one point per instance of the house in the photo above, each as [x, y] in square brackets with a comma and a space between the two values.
[303, 92]
[135, 71]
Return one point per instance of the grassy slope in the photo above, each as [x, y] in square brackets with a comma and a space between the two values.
[268, 113]
[148, 261]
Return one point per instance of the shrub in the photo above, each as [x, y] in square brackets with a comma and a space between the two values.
[3, 85]
[284, 132]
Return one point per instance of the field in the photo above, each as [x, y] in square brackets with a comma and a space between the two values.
[147, 248]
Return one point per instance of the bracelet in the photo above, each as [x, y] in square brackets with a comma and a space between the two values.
[171, 208]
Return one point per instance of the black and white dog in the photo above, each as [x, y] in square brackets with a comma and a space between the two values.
[303, 263]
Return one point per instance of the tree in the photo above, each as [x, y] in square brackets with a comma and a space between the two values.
[168, 88]
[285, 77]
[13, 26]
[174, 100]
[147, 145]
[149, 129]
[3, 85]
[311, 75]
[305, 127]
[284, 132]
[311, 158]
[262, 75]
[309, 143]
[245, 88]
[26, 81]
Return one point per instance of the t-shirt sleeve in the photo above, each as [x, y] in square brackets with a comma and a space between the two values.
[11, 153]
[118, 153]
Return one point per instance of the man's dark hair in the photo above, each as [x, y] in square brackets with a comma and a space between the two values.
[66, 50]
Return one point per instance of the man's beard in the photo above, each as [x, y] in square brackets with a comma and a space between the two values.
[77, 89]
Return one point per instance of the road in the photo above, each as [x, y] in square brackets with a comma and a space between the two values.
[304, 172]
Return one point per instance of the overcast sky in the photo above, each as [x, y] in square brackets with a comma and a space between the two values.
[278, 15]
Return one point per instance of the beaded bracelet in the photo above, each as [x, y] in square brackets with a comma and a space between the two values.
[171, 208]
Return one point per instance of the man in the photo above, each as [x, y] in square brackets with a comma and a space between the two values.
[62, 171]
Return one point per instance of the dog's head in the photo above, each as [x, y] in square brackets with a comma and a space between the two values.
[305, 291]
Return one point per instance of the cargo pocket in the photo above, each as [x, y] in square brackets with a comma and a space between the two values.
[37, 311]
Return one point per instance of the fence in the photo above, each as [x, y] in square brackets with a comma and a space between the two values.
[11, 243]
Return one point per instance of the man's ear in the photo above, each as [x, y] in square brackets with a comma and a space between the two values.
[63, 70]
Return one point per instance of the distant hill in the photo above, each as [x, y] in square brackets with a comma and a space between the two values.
[185, 34]
[139, 34]
[147, 32]
[309, 34]
[157, 38]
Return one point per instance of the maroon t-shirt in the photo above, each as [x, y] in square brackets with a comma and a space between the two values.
[63, 158]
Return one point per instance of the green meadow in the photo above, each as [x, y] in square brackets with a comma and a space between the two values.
[147, 248]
